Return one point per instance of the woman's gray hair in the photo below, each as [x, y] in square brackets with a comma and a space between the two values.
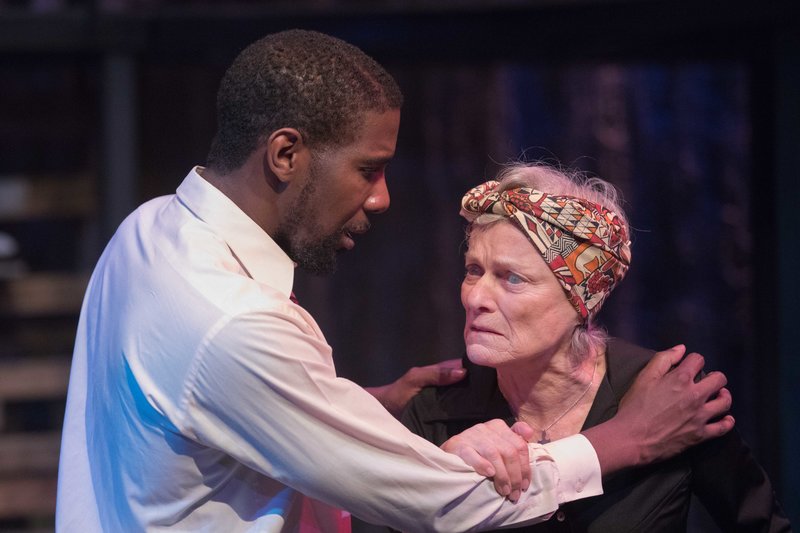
[587, 336]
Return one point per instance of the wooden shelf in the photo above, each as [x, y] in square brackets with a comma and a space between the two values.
[41, 295]
[28, 496]
[49, 206]
[29, 453]
[33, 378]
[29, 460]
[25, 198]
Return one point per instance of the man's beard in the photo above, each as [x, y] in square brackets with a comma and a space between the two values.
[317, 256]
[315, 253]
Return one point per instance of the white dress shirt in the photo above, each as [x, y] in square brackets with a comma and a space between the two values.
[202, 399]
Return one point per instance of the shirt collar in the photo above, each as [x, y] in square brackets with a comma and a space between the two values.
[477, 398]
[260, 256]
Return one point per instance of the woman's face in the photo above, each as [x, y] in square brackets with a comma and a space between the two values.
[515, 308]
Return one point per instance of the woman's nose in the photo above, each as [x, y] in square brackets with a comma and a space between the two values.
[478, 295]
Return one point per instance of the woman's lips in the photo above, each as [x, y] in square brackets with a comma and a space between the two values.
[481, 329]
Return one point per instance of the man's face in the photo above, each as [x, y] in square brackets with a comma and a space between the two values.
[343, 186]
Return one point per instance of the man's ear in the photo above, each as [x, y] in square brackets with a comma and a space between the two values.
[286, 154]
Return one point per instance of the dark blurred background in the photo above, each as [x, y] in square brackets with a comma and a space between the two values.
[690, 108]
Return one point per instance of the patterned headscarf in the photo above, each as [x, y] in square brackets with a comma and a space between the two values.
[584, 244]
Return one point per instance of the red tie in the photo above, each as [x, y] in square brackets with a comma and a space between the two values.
[293, 298]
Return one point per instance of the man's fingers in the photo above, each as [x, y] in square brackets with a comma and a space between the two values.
[720, 427]
[663, 361]
[719, 405]
[691, 365]
[711, 383]
[451, 371]
[437, 374]
[663, 414]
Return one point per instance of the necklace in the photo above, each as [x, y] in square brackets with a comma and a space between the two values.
[544, 439]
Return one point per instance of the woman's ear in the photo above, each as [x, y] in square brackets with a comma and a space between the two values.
[286, 154]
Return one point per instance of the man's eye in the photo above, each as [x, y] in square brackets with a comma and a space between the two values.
[370, 172]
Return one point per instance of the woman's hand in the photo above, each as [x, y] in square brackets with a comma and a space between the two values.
[497, 451]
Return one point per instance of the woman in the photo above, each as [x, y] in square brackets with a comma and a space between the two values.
[534, 355]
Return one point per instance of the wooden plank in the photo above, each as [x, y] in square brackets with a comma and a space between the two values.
[32, 337]
[25, 197]
[34, 378]
[39, 295]
[21, 497]
[29, 453]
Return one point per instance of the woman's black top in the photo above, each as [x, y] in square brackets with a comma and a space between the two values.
[722, 472]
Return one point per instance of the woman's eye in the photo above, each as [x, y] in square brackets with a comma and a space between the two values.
[514, 279]
[471, 271]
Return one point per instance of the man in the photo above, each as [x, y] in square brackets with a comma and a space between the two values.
[203, 398]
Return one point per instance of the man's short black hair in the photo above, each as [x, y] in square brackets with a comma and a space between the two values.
[318, 84]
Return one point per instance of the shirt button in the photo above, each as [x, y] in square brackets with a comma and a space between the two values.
[560, 516]
[579, 486]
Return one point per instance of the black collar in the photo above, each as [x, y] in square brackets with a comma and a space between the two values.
[478, 398]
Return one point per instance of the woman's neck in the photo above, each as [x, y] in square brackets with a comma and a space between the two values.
[555, 395]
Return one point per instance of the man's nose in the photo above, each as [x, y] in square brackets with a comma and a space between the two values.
[378, 200]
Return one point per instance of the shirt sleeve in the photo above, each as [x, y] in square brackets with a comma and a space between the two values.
[264, 389]
[578, 468]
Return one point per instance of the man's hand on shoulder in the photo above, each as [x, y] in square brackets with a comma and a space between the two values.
[665, 411]
[396, 396]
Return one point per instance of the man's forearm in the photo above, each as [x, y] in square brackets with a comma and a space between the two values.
[613, 453]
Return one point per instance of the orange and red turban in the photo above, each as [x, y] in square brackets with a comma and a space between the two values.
[585, 245]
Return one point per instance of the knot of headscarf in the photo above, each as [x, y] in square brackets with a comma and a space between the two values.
[585, 245]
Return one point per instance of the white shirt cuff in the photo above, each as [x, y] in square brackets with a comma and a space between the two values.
[578, 468]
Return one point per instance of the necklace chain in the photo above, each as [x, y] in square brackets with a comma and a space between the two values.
[544, 439]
